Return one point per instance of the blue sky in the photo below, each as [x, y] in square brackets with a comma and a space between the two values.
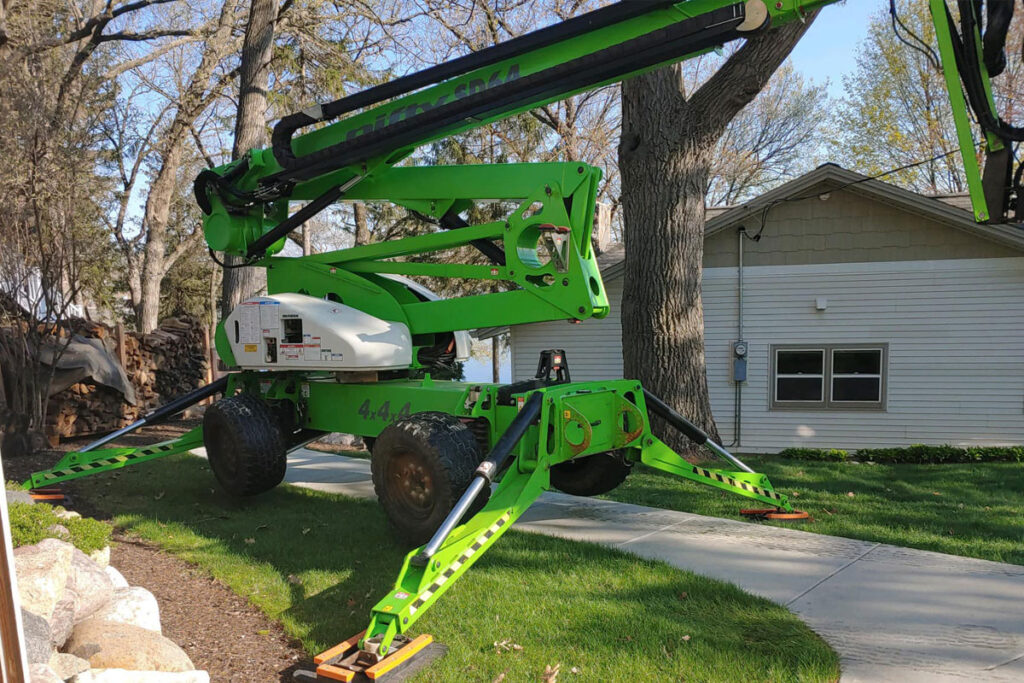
[828, 50]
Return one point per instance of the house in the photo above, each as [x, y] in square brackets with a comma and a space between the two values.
[873, 317]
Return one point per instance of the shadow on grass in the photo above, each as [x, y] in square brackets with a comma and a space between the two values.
[318, 562]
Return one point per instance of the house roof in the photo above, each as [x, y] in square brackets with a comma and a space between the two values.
[950, 210]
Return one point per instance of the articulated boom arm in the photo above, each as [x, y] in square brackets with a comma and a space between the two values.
[544, 256]
[355, 156]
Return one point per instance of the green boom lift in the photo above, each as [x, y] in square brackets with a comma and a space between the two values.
[332, 345]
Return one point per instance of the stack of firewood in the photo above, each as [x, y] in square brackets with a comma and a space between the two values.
[162, 365]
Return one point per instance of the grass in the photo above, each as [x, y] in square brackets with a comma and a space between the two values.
[975, 510]
[31, 523]
[317, 563]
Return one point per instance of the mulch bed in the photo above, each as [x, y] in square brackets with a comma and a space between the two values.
[220, 631]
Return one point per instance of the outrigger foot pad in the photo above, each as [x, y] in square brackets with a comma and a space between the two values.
[344, 662]
[778, 515]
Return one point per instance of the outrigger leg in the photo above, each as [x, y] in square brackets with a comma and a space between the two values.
[93, 460]
[429, 571]
[554, 424]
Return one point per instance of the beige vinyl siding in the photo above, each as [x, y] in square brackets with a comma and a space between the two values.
[955, 331]
[593, 347]
[847, 228]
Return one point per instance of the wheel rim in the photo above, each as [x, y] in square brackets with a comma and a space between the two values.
[410, 484]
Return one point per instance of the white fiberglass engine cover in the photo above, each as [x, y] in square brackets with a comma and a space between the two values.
[299, 332]
[463, 342]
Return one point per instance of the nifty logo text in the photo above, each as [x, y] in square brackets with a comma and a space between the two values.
[462, 91]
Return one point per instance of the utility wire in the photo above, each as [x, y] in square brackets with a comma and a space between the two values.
[907, 167]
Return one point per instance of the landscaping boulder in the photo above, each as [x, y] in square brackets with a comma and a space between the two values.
[109, 645]
[122, 676]
[37, 637]
[136, 606]
[41, 673]
[19, 496]
[116, 578]
[90, 585]
[42, 571]
[63, 620]
[66, 666]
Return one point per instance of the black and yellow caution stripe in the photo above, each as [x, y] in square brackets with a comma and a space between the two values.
[448, 573]
[746, 486]
[109, 462]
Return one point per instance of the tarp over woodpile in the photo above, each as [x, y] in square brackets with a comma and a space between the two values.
[87, 360]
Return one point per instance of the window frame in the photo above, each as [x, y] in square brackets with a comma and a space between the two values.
[827, 403]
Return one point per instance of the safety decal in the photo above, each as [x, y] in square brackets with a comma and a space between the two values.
[717, 476]
[106, 462]
[462, 559]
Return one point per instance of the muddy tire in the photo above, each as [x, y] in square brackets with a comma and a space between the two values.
[591, 475]
[421, 466]
[245, 444]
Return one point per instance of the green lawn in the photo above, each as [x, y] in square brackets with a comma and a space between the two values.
[318, 562]
[976, 510]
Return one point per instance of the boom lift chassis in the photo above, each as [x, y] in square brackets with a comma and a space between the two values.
[544, 433]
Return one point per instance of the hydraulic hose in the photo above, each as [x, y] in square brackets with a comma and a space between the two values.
[484, 475]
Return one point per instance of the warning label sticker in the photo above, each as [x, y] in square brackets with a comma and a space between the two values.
[291, 351]
[311, 348]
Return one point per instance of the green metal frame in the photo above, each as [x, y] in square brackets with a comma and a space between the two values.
[961, 112]
[577, 420]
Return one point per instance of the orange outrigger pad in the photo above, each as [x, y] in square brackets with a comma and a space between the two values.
[777, 515]
[341, 663]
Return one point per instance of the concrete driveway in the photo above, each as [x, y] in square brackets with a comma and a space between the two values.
[893, 614]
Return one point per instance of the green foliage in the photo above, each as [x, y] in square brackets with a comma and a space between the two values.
[826, 454]
[896, 111]
[31, 523]
[918, 454]
[186, 287]
[571, 603]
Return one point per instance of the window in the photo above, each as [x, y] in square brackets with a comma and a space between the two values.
[829, 377]
[800, 375]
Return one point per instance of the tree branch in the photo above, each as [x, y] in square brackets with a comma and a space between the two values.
[183, 247]
[90, 25]
[744, 75]
[150, 56]
[146, 35]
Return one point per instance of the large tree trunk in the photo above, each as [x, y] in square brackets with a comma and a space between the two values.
[664, 175]
[154, 268]
[193, 100]
[362, 224]
[251, 131]
[665, 153]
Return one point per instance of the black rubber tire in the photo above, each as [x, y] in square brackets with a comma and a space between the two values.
[591, 475]
[245, 444]
[421, 466]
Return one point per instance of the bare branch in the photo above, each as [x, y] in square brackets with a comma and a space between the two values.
[88, 29]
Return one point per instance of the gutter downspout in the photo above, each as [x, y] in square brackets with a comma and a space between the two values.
[739, 325]
[737, 410]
